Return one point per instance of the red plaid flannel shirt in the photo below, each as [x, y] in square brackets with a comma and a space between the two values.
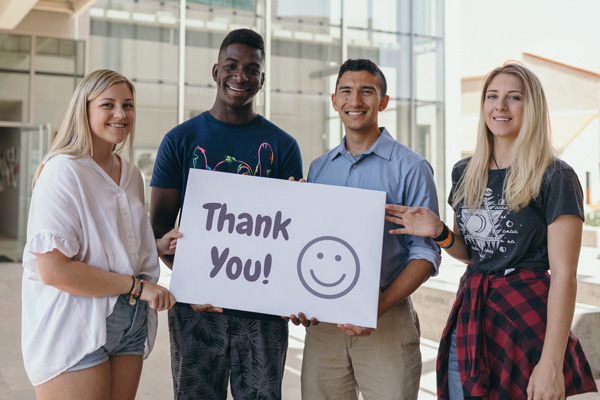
[500, 329]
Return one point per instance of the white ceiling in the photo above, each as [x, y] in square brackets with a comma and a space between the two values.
[12, 12]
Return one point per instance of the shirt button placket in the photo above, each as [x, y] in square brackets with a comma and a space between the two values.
[128, 226]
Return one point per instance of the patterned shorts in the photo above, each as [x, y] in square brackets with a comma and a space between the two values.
[210, 350]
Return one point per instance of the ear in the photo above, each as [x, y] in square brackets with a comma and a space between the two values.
[215, 69]
[262, 79]
[384, 102]
[333, 102]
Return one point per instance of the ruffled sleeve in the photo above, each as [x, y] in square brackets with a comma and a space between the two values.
[54, 214]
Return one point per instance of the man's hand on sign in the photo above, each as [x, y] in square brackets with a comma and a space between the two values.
[291, 178]
[301, 319]
[206, 307]
[353, 330]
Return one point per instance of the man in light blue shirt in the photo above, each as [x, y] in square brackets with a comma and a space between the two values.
[383, 363]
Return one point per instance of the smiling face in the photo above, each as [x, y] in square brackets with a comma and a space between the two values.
[239, 76]
[111, 115]
[358, 100]
[328, 267]
[503, 106]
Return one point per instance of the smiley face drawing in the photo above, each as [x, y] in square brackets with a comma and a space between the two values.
[328, 267]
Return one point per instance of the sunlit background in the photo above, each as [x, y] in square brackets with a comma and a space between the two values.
[434, 53]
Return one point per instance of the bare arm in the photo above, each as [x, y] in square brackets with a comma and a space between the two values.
[414, 275]
[81, 279]
[164, 207]
[420, 221]
[564, 244]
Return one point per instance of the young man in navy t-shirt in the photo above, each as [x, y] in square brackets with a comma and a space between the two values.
[210, 344]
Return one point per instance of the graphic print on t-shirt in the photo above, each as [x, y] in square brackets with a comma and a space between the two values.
[483, 228]
[264, 166]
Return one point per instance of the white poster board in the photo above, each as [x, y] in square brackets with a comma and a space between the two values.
[279, 247]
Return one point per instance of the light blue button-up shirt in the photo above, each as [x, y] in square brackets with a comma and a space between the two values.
[404, 175]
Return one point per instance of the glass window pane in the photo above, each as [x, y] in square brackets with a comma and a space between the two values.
[396, 119]
[15, 52]
[429, 17]
[198, 98]
[303, 116]
[52, 95]
[59, 56]
[429, 69]
[391, 15]
[429, 133]
[14, 97]
[156, 114]
[236, 4]
[138, 40]
[326, 12]
[15, 64]
[357, 13]
[306, 53]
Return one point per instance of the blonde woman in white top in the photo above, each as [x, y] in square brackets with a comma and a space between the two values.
[91, 261]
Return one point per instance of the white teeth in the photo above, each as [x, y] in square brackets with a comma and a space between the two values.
[236, 89]
[355, 113]
[117, 125]
[502, 119]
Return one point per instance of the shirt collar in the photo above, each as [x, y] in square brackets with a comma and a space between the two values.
[382, 147]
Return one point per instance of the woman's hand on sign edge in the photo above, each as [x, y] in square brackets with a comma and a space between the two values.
[291, 178]
[168, 243]
[206, 307]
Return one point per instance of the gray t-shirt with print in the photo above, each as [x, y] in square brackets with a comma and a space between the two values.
[498, 239]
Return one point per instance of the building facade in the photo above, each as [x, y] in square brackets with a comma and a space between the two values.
[44, 57]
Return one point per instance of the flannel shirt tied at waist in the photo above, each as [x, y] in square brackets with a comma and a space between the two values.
[500, 328]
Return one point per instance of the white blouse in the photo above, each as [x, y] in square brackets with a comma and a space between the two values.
[79, 210]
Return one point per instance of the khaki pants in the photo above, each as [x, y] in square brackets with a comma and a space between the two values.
[385, 365]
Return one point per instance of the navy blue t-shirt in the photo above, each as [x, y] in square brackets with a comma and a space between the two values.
[257, 148]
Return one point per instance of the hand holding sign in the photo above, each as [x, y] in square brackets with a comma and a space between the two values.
[280, 248]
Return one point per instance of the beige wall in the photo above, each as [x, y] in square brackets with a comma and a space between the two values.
[567, 89]
[54, 24]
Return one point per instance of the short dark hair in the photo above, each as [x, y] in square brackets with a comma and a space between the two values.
[363, 65]
[244, 36]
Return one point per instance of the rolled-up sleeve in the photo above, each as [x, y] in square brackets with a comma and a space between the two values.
[420, 191]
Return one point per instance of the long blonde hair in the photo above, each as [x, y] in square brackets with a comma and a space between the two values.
[532, 152]
[74, 136]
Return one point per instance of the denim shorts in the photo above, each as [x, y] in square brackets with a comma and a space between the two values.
[126, 330]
